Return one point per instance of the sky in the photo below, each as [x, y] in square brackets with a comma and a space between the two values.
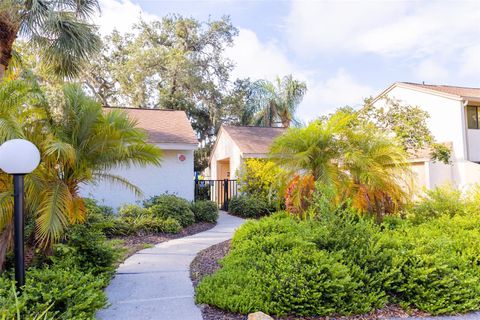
[344, 50]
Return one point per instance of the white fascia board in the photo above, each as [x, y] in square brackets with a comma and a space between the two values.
[177, 146]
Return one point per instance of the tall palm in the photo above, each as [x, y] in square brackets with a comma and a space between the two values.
[79, 145]
[59, 29]
[278, 100]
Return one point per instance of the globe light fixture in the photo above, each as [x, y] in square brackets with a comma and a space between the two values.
[19, 157]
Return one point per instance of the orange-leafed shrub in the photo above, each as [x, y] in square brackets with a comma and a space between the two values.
[299, 194]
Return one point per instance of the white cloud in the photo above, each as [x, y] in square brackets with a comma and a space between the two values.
[388, 28]
[429, 70]
[120, 15]
[259, 60]
[471, 62]
[325, 96]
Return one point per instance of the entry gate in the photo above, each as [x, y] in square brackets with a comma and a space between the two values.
[219, 191]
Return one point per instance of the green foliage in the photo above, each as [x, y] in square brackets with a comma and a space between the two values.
[66, 293]
[248, 206]
[345, 263]
[145, 220]
[64, 41]
[441, 269]
[205, 211]
[278, 101]
[260, 178]
[88, 249]
[363, 162]
[170, 206]
[408, 123]
[441, 201]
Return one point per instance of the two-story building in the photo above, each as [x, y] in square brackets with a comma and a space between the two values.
[454, 120]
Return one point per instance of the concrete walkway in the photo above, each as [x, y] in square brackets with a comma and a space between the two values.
[470, 316]
[155, 283]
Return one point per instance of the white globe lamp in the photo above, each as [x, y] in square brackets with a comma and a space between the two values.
[19, 157]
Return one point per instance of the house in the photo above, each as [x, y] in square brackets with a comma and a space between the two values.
[172, 132]
[234, 144]
[454, 120]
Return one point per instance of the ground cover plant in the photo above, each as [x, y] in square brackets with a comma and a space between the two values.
[339, 261]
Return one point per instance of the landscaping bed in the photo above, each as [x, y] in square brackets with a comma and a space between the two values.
[134, 243]
[206, 263]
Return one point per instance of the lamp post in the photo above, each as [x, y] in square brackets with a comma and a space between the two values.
[19, 157]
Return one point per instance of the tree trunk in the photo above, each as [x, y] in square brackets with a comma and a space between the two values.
[5, 242]
[8, 34]
[2, 72]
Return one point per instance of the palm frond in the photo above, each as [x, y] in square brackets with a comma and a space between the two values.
[116, 179]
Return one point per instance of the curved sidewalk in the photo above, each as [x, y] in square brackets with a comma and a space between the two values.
[155, 283]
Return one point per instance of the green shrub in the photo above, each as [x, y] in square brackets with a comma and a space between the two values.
[144, 220]
[87, 249]
[344, 263]
[170, 206]
[132, 211]
[260, 178]
[150, 223]
[248, 206]
[205, 211]
[441, 201]
[441, 268]
[67, 293]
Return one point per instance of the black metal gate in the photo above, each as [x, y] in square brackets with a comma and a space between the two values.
[219, 191]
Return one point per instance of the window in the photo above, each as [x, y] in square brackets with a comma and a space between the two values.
[472, 117]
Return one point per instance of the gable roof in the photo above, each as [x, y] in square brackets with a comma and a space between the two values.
[162, 126]
[253, 140]
[453, 92]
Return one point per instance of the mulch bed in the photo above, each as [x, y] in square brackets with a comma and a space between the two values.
[138, 242]
[206, 262]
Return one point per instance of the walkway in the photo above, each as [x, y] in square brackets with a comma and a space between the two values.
[155, 283]
[470, 316]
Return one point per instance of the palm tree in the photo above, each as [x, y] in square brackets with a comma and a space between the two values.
[362, 163]
[58, 29]
[79, 144]
[278, 101]
[379, 176]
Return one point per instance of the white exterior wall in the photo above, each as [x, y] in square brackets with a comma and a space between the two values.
[173, 176]
[447, 123]
[447, 120]
[473, 142]
[225, 148]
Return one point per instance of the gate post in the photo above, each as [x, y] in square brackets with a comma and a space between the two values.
[225, 194]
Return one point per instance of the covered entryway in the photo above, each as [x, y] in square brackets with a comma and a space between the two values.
[223, 169]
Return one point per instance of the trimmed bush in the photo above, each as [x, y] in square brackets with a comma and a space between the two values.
[248, 206]
[205, 211]
[67, 293]
[441, 201]
[170, 206]
[343, 263]
[144, 220]
[88, 249]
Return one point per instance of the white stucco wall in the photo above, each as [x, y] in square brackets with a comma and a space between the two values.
[173, 176]
[225, 148]
[473, 142]
[447, 119]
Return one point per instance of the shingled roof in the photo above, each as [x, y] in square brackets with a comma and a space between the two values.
[464, 92]
[162, 126]
[253, 140]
